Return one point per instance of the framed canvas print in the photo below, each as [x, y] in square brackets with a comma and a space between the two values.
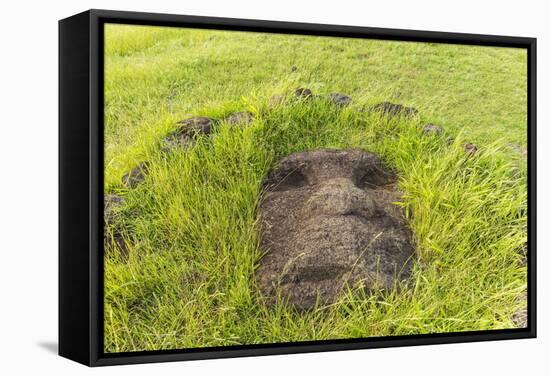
[236, 187]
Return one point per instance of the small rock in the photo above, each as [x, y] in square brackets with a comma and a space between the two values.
[303, 93]
[432, 129]
[339, 99]
[276, 100]
[470, 149]
[327, 221]
[244, 117]
[184, 136]
[196, 125]
[136, 175]
[393, 109]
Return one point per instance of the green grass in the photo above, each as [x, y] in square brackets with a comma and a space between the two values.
[191, 227]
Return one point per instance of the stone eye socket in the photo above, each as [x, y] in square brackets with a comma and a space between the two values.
[293, 179]
[288, 178]
[372, 177]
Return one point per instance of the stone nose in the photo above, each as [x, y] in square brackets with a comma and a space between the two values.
[339, 196]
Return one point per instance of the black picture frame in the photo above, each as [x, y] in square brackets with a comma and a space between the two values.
[81, 182]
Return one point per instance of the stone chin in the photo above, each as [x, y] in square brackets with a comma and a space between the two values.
[328, 221]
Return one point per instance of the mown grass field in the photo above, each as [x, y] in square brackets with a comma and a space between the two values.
[188, 278]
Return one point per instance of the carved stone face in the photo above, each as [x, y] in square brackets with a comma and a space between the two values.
[327, 219]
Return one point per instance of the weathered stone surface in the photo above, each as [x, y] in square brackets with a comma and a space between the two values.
[432, 129]
[470, 149]
[327, 218]
[188, 129]
[303, 93]
[136, 175]
[244, 117]
[393, 109]
[339, 99]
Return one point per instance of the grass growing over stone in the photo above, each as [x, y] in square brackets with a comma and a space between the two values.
[187, 277]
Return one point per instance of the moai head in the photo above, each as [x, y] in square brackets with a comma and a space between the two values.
[328, 220]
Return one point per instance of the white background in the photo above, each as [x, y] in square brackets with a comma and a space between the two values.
[28, 189]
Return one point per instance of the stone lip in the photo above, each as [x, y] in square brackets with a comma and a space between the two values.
[327, 221]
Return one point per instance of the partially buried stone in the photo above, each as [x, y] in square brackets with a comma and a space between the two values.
[470, 149]
[187, 132]
[394, 109]
[303, 93]
[432, 129]
[196, 125]
[244, 117]
[339, 99]
[136, 175]
[327, 221]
